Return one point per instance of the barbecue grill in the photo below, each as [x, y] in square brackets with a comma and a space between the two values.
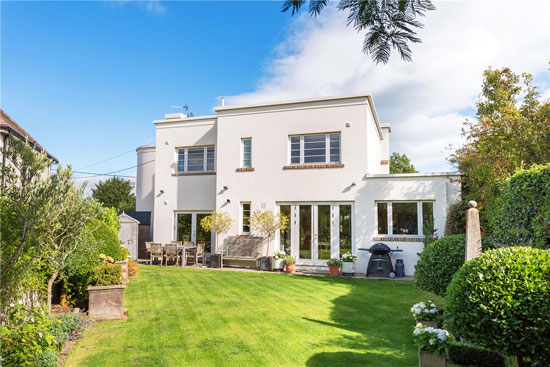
[380, 263]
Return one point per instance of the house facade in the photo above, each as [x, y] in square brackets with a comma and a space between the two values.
[323, 163]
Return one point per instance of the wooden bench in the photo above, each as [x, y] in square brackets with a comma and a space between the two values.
[241, 250]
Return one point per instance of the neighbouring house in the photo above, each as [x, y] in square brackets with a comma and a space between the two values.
[10, 128]
[134, 231]
[322, 162]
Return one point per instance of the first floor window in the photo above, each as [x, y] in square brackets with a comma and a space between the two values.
[247, 153]
[196, 159]
[404, 217]
[313, 149]
[246, 217]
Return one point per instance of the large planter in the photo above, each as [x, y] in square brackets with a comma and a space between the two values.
[334, 270]
[430, 359]
[124, 268]
[348, 267]
[290, 268]
[105, 302]
[216, 261]
[277, 264]
[265, 263]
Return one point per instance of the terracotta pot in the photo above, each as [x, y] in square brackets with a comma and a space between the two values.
[105, 302]
[334, 270]
[430, 359]
[290, 268]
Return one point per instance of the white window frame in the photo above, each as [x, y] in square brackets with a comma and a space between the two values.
[241, 217]
[242, 152]
[186, 158]
[419, 217]
[327, 148]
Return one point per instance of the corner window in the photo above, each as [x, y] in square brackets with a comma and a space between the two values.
[404, 218]
[245, 217]
[315, 149]
[246, 153]
[199, 159]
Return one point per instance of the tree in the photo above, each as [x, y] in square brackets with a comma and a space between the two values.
[219, 222]
[389, 23]
[400, 163]
[509, 133]
[115, 193]
[267, 223]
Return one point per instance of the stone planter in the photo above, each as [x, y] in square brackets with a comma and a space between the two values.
[216, 261]
[124, 268]
[348, 267]
[277, 264]
[290, 268]
[105, 302]
[429, 323]
[334, 270]
[430, 359]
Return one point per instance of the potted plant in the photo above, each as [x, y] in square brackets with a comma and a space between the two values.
[348, 263]
[431, 344]
[426, 313]
[334, 266]
[290, 263]
[106, 291]
[277, 260]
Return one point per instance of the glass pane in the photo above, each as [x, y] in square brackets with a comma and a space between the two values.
[345, 229]
[185, 222]
[335, 147]
[247, 153]
[382, 218]
[404, 218]
[210, 159]
[181, 160]
[285, 235]
[323, 226]
[314, 149]
[195, 160]
[203, 235]
[427, 214]
[305, 232]
[246, 217]
[295, 149]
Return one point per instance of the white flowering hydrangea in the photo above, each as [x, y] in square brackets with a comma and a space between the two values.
[430, 339]
[348, 258]
[279, 255]
[424, 311]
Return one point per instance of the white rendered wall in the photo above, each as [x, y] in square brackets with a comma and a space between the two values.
[145, 181]
[181, 193]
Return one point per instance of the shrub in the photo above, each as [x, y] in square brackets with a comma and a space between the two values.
[472, 355]
[334, 262]
[133, 268]
[289, 260]
[279, 255]
[521, 214]
[439, 262]
[106, 274]
[456, 218]
[125, 253]
[500, 300]
[67, 327]
[48, 358]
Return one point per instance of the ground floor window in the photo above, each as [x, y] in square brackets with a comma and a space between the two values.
[404, 218]
[245, 217]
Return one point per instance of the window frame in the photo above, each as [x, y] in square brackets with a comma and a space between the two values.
[328, 155]
[419, 215]
[185, 150]
[243, 165]
[242, 217]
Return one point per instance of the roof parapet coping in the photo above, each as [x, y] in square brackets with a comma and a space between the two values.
[405, 175]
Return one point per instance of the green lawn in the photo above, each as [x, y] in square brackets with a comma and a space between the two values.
[187, 317]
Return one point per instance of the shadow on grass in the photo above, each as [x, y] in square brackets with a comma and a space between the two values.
[377, 312]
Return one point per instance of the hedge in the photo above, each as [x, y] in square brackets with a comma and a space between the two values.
[472, 355]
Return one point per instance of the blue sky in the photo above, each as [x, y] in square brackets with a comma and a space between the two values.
[87, 78]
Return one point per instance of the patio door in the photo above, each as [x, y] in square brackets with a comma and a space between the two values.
[317, 231]
[188, 228]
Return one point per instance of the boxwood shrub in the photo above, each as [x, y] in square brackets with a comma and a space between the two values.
[472, 355]
[106, 274]
[501, 301]
[439, 262]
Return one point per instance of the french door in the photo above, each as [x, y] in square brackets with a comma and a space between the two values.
[317, 231]
[188, 228]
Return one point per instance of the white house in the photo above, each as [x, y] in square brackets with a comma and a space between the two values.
[323, 162]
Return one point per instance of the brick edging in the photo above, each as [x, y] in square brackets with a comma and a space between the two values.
[398, 239]
[245, 169]
[194, 174]
[310, 166]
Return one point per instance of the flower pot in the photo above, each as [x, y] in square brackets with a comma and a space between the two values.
[277, 264]
[265, 263]
[348, 267]
[430, 359]
[290, 268]
[105, 302]
[334, 270]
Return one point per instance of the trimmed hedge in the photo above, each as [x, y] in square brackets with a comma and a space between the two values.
[439, 261]
[106, 274]
[472, 355]
[521, 214]
[501, 301]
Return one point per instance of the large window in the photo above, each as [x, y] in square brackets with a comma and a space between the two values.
[245, 217]
[314, 149]
[247, 153]
[345, 229]
[196, 159]
[406, 218]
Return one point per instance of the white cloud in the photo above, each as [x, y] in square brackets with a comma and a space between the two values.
[424, 100]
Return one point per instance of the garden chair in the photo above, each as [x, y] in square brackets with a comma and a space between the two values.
[190, 254]
[171, 254]
[199, 253]
[148, 250]
[156, 253]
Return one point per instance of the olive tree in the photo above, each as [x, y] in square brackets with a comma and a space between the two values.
[267, 224]
[218, 222]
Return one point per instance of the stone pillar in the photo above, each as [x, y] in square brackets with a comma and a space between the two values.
[473, 232]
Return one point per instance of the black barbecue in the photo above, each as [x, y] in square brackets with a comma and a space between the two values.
[380, 263]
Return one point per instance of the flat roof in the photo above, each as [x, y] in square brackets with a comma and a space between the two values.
[405, 175]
